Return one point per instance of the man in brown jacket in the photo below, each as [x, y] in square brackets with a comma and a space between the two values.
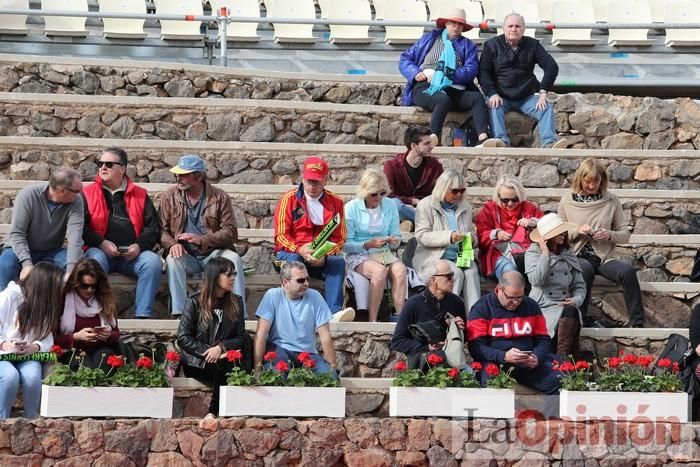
[197, 224]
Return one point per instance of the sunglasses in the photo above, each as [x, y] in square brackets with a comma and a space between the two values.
[231, 274]
[509, 200]
[457, 191]
[381, 193]
[108, 164]
[450, 276]
[302, 280]
[85, 286]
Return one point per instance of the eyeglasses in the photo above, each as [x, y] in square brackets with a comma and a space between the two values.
[85, 286]
[457, 191]
[512, 299]
[509, 200]
[450, 276]
[72, 190]
[108, 164]
[301, 280]
[381, 193]
[231, 274]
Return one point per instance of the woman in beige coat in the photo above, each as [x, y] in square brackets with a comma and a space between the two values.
[443, 220]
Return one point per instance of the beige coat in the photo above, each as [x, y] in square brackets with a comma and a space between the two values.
[606, 213]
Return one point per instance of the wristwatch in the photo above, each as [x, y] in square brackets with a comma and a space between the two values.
[543, 91]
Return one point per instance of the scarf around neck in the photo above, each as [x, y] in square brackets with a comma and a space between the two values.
[75, 306]
[445, 67]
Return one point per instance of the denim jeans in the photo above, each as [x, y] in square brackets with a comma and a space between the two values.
[322, 366]
[10, 266]
[146, 269]
[12, 374]
[188, 265]
[406, 211]
[545, 119]
[503, 264]
[332, 272]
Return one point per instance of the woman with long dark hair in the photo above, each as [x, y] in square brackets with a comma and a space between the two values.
[29, 313]
[89, 319]
[212, 324]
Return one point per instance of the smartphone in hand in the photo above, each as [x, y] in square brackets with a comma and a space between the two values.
[122, 249]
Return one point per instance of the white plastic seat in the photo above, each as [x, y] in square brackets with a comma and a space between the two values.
[572, 11]
[295, 33]
[239, 32]
[435, 7]
[490, 10]
[527, 8]
[13, 24]
[545, 9]
[629, 11]
[176, 29]
[121, 27]
[378, 9]
[268, 6]
[600, 9]
[73, 26]
[325, 7]
[658, 10]
[350, 9]
[404, 10]
[684, 11]
[474, 15]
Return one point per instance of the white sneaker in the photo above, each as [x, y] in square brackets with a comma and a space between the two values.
[491, 143]
[561, 144]
[434, 139]
[345, 315]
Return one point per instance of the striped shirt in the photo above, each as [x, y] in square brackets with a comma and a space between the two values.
[433, 58]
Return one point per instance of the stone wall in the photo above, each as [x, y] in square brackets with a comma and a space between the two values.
[349, 442]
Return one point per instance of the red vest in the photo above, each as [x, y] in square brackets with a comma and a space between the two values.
[134, 198]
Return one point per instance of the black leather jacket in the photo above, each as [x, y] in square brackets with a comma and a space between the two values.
[194, 337]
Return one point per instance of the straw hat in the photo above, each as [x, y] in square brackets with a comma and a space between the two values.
[549, 226]
[458, 15]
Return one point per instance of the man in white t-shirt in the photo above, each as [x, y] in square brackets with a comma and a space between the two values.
[289, 318]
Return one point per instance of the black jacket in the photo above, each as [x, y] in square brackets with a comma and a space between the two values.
[509, 73]
[694, 334]
[194, 337]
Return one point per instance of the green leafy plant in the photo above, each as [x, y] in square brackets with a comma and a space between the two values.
[282, 373]
[575, 376]
[64, 375]
[630, 373]
[238, 376]
[437, 376]
[497, 378]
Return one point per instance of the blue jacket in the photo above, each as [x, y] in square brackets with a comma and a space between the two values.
[410, 62]
[357, 222]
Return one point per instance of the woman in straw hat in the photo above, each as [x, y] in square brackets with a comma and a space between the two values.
[440, 69]
[557, 282]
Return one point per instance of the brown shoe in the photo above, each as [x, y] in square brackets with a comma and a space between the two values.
[561, 144]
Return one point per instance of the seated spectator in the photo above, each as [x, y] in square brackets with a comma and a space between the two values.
[89, 320]
[212, 323]
[373, 232]
[443, 220]
[503, 224]
[289, 317]
[601, 225]
[121, 228]
[431, 305]
[440, 69]
[197, 225]
[300, 216]
[506, 75]
[557, 283]
[412, 174]
[28, 316]
[693, 361]
[506, 327]
[43, 217]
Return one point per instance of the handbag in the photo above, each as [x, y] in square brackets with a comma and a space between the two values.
[454, 345]
[427, 332]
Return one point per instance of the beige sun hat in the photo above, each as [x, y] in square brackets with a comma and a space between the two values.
[458, 15]
[549, 226]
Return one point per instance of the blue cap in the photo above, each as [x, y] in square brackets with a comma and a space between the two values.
[188, 164]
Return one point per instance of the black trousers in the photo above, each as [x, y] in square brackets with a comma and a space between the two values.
[213, 374]
[451, 99]
[620, 273]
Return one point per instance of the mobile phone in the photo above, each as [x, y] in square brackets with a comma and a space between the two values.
[529, 352]
[99, 328]
[20, 343]
[122, 249]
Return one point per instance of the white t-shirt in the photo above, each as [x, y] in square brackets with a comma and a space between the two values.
[314, 209]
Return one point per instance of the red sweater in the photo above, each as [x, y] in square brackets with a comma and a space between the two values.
[66, 340]
[400, 183]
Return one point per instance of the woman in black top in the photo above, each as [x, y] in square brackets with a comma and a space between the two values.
[212, 323]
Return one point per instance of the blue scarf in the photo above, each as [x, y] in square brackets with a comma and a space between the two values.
[445, 68]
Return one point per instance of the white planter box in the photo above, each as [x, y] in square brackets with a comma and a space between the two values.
[653, 406]
[451, 402]
[71, 401]
[281, 401]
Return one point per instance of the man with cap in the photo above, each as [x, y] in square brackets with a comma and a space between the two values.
[121, 228]
[440, 69]
[197, 224]
[300, 215]
[507, 78]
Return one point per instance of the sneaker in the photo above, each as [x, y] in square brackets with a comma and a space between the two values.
[406, 226]
[342, 316]
[635, 324]
[491, 143]
[561, 144]
[434, 139]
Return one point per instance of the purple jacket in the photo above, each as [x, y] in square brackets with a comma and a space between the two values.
[410, 61]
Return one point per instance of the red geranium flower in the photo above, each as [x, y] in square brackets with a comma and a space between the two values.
[620, 352]
[434, 359]
[234, 355]
[453, 373]
[400, 366]
[613, 362]
[270, 356]
[172, 356]
[310, 363]
[282, 366]
[644, 361]
[582, 365]
[665, 363]
[115, 361]
[56, 349]
[476, 366]
[492, 369]
[567, 366]
[144, 362]
[676, 367]
[303, 356]
[630, 359]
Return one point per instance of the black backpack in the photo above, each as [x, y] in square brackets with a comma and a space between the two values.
[675, 349]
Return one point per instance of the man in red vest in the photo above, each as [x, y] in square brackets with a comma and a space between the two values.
[121, 228]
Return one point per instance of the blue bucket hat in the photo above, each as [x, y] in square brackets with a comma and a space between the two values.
[188, 164]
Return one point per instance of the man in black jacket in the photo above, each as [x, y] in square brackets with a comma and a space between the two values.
[506, 77]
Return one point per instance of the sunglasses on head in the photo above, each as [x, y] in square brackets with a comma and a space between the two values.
[381, 193]
[301, 280]
[108, 164]
[457, 191]
[85, 286]
[509, 200]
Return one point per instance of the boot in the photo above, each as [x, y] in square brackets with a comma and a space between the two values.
[567, 337]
